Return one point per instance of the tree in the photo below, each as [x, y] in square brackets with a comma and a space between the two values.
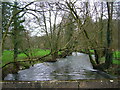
[78, 20]
[109, 53]
[14, 26]
[69, 29]
[17, 28]
[50, 27]
[8, 24]
[6, 13]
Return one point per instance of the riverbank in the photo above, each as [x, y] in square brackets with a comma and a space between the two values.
[9, 69]
[113, 70]
[8, 55]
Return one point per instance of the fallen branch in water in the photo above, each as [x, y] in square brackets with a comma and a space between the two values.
[64, 48]
[36, 59]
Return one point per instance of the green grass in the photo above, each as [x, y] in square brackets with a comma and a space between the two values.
[116, 62]
[8, 55]
[22, 55]
[92, 51]
[116, 54]
[42, 52]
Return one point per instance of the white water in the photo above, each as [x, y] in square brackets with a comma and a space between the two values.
[73, 67]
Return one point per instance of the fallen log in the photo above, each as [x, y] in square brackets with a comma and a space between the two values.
[33, 60]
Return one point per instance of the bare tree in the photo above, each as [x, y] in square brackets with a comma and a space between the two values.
[109, 53]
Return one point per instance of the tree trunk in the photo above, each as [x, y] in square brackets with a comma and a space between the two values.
[109, 54]
[91, 59]
[96, 57]
[15, 38]
[108, 58]
[54, 56]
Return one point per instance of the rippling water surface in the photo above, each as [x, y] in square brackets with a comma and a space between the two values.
[73, 67]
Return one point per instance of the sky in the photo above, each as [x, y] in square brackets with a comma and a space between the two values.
[37, 31]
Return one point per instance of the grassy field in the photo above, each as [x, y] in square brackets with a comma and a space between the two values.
[8, 55]
[116, 56]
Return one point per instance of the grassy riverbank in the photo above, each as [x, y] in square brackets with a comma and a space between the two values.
[8, 55]
[116, 58]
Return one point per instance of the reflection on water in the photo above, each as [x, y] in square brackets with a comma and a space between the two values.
[73, 67]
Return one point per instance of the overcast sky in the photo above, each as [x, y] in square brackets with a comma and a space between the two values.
[37, 31]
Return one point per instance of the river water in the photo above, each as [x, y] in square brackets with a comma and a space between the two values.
[73, 67]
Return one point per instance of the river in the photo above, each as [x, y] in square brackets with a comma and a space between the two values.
[73, 67]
